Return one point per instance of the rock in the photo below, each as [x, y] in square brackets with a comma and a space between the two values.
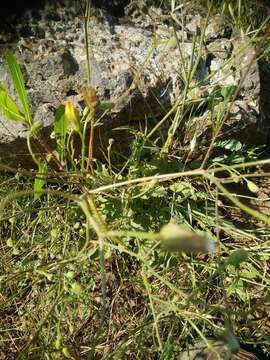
[200, 351]
[134, 63]
[221, 48]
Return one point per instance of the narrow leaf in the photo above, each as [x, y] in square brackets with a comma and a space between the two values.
[9, 106]
[40, 179]
[60, 130]
[227, 93]
[18, 82]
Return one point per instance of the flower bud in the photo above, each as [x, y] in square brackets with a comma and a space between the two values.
[72, 115]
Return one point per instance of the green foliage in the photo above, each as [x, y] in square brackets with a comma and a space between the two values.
[18, 82]
[60, 130]
[237, 257]
[130, 258]
[9, 106]
[40, 179]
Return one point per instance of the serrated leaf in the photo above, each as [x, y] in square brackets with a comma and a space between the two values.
[9, 107]
[40, 180]
[237, 257]
[60, 130]
[237, 288]
[18, 82]
[250, 272]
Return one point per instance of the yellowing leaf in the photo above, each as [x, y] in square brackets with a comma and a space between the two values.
[252, 186]
[193, 143]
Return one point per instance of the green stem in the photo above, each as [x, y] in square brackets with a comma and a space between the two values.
[31, 150]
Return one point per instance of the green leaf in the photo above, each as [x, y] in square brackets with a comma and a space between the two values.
[106, 105]
[9, 107]
[214, 98]
[237, 288]
[18, 82]
[231, 144]
[227, 92]
[40, 179]
[60, 130]
[76, 288]
[237, 257]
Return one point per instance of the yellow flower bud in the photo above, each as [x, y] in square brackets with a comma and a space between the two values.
[72, 115]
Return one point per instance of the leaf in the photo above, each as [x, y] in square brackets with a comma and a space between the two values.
[232, 144]
[76, 288]
[237, 257]
[237, 288]
[106, 105]
[60, 130]
[193, 143]
[9, 106]
[231, 339]
[40, 179]
[18, 82]
[250, 272]
[214, 98]
[227, 93]
[182, 187]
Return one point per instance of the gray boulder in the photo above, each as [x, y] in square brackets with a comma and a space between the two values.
[138, 62]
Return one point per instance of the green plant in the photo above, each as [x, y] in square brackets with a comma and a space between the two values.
[107, 265]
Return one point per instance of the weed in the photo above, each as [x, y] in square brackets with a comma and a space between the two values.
[133, 258]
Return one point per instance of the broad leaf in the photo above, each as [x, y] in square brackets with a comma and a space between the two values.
[9, 106]
[18, 82]
[237, 257]
[40, 179]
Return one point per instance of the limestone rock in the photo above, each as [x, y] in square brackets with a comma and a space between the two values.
[138, 62]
